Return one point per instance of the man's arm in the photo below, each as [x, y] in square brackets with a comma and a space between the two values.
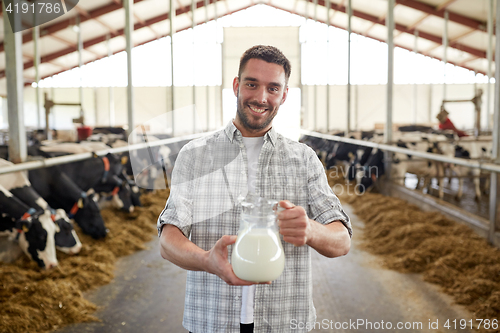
[179, 250]
[331, 240]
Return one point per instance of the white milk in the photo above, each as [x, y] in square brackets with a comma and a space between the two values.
[258, 255]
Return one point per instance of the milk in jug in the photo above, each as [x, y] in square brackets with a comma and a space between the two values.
[258, 254]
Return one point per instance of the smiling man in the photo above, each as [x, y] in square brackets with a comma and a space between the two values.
[201, 218]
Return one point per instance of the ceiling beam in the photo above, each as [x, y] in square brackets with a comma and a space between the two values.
[453, 17]
[84, 13]
[417, 22]
[462, 63]
[383, 41]
[365, 33]
[402, 28]
[94, 41]
[445, 4]
[85, 44]
[50, 29]
[199, 4]
[70, 44]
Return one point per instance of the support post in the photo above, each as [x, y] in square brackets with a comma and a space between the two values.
[15, 85]
[415, 87]
[36, 60]
[80, 65]
[193, 8]
[349, 32]
[207, 2]
[495, 185]
[327, 67]
[445, 52]
[390, 70]
[489, 57]
[111, 91]
[390, 79]
[129, 27]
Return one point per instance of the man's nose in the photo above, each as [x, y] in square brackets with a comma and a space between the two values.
[262, 96]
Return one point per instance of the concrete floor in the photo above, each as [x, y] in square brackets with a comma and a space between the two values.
[147, 295]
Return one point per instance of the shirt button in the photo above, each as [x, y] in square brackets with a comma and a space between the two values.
[243, 172]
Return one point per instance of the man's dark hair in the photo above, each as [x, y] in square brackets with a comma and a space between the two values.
[267, 53]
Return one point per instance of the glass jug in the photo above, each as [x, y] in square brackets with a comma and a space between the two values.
[258, 254]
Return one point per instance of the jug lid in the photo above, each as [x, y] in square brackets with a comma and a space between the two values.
[252, 204]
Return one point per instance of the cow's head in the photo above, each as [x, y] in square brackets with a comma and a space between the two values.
[89, 217]
[36, 239]
[66, 239]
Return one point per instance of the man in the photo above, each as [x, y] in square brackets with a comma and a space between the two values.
[201, 218]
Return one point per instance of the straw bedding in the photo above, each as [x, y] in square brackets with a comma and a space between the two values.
[34, 300]
[446, 253]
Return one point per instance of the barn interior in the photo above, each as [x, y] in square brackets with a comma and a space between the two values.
[123, 78]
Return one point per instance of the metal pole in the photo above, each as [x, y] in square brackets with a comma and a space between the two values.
[477, 112]
[356, 107]
[327, 62]
[489, 56]
[429, 109]
[445, 46]
[48, 162]
[390, 70]
[172, 88]
[215, 87]
[415, 91]
[315, 3]
[36, 59]
[208, 87]
[95, 106]
[494, 189]
[349, 13]
[129, 28]
[390, 79]
[80, 65]
[111, 91]
[193, 8]
[476, 164]
[14, 76]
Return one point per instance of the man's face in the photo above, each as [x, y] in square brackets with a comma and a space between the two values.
[260, 90]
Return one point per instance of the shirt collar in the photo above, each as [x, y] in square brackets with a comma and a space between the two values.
[231, 131]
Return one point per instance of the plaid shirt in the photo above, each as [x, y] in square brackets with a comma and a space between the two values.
[209, 175]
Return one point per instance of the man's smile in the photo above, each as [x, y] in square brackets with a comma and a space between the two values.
[257, 109]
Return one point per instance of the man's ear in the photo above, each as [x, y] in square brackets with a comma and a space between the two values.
[285, 94]
[236, 85]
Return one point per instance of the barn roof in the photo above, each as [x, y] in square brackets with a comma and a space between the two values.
[100, 19]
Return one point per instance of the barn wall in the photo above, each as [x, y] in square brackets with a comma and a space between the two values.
[368, 105]
[149, 103]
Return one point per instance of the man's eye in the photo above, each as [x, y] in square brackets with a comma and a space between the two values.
[250, 85]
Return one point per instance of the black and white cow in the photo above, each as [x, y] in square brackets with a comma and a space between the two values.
[17, 183]
[100, 173]
[34, 232]
[61, 192]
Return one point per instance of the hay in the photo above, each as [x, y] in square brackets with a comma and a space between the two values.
[34, 300]
[446, 253]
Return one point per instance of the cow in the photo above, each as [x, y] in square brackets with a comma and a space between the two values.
[17, 183]
[100, 173]
[34, 232]
[473, 150]
[61, 192]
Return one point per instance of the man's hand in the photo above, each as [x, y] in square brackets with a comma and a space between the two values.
[217, 262]
[294, 224]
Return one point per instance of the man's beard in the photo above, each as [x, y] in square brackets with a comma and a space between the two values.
[245, 119]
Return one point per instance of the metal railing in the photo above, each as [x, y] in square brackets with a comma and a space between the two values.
[48, 162]
[429, 156]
